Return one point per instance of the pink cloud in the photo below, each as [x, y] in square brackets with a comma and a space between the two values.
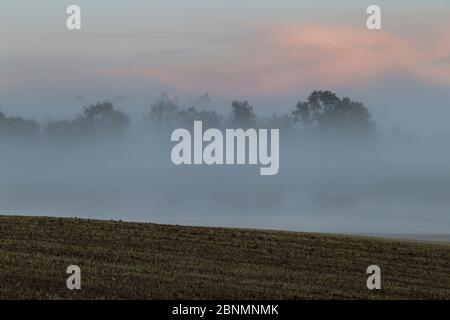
[284, 58]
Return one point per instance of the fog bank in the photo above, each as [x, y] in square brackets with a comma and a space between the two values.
[382, 186]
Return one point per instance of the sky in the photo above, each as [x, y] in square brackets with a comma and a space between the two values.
[272, 53]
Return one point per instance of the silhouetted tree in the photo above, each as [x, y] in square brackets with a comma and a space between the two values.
[163, 113]
[325, 111]
[102, 119]
[97, 120]
[283, 121]
[242, 115]
[17, 127]
[204, 101]
[186, 118]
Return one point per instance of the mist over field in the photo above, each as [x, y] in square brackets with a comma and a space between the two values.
[392, 183]
[343, 168]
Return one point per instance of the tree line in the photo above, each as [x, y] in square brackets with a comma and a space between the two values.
[322, 111]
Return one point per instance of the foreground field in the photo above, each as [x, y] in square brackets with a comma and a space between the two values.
[148, 261]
